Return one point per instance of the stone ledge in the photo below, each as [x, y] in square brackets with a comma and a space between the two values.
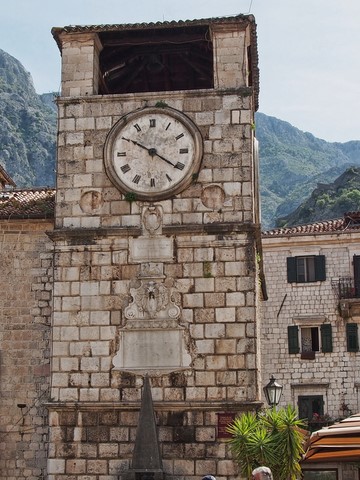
[163, 406]
[311, 385]
[90, 234]
[241, 91]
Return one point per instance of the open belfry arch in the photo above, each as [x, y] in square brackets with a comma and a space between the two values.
[156, 245]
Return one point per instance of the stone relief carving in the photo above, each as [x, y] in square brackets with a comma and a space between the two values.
[152, 270]
[152, 339]
[152, 219]
[152, 300]
[91, 201]
[213, 196]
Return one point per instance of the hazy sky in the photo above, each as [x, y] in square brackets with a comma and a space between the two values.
[308, 49]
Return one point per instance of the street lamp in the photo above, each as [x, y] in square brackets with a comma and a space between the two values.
[272, 392]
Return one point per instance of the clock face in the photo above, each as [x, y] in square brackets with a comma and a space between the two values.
[153, 152]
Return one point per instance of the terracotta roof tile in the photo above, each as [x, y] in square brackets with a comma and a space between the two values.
[56, 31]
[350, 222]
[31, 203]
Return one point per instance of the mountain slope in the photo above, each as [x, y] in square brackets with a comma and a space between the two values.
[328, 201]
[27, 127]
[293, 162]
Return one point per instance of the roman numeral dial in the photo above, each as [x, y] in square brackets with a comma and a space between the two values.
[153, 153]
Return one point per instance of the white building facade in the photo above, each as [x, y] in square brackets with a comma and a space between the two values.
[310, 331]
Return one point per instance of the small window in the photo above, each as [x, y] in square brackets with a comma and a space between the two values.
[306, 269]
[310, 406]
[308, 340]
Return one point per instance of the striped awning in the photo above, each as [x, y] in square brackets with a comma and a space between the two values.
[339, 442]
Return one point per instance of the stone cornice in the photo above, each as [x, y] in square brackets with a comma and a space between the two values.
[90, 234]
[154, 96]
[311, 385]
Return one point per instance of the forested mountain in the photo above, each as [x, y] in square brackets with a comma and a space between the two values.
[328, 200]
[292, 162]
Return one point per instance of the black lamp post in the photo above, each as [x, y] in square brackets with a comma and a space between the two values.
[272, 392]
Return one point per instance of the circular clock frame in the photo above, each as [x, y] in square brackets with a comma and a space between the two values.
[153, 152]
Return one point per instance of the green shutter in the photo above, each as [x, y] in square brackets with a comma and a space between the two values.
[320, 273]
[326, 338]
[293, 339]
[291, 269]
[352, 341]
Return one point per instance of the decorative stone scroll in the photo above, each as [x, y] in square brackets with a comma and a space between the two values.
[152, 339]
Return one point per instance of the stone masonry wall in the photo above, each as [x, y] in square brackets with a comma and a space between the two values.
[206, 256]
[25, 305]
[225, 123]
[335, 374]
[214, 275]
[95, 406]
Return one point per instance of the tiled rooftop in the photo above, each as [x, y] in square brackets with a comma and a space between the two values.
[56, 31]
[349, 222]
[29, 203]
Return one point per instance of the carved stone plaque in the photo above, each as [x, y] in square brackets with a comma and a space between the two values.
[152, 249]
[154, 349]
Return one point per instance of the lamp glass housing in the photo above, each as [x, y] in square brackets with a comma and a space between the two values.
[272, 392]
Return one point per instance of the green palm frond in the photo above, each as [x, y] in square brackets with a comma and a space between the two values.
[274, 438]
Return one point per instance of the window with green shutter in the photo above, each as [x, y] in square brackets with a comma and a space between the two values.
[352, 340]
[305, 269]
[326, 338]
[293, 339]
[320, 273]
[291, 269]
[306, 340]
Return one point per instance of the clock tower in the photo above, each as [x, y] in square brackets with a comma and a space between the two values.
[156, 243]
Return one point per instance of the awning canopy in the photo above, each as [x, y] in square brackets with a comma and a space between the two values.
[337, 443]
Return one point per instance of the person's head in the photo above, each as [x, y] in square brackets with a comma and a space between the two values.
[262, 473]
[208, 477]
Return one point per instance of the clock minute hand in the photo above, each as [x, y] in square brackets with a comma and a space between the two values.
[165, 159]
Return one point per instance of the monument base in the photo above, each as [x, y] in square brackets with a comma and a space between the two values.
[145, 474]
